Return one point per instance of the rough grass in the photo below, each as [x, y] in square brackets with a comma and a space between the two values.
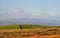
[41, 32]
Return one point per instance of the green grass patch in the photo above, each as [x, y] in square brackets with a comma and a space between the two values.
[26, 26]
[11, 26]
[38, 26]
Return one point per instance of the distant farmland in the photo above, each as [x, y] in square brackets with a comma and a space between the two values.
[26, 26]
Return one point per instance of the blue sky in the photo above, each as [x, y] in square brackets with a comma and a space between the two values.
[37, 9]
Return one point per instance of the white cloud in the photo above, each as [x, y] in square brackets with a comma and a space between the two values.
[20, 13]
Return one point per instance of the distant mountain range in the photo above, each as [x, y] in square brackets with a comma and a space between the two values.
[30, 21]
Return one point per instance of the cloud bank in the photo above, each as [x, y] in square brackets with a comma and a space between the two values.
[20, 13]
[22, 16]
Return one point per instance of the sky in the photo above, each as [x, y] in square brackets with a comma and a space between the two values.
[37, 9]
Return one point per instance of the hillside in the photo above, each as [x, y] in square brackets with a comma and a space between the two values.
[25, 26]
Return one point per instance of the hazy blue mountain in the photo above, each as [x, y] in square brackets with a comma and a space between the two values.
[29, 21]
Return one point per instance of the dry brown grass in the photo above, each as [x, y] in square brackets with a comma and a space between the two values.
[31, 33]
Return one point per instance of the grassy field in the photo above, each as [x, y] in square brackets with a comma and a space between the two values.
[26, 26]
[36, 31]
